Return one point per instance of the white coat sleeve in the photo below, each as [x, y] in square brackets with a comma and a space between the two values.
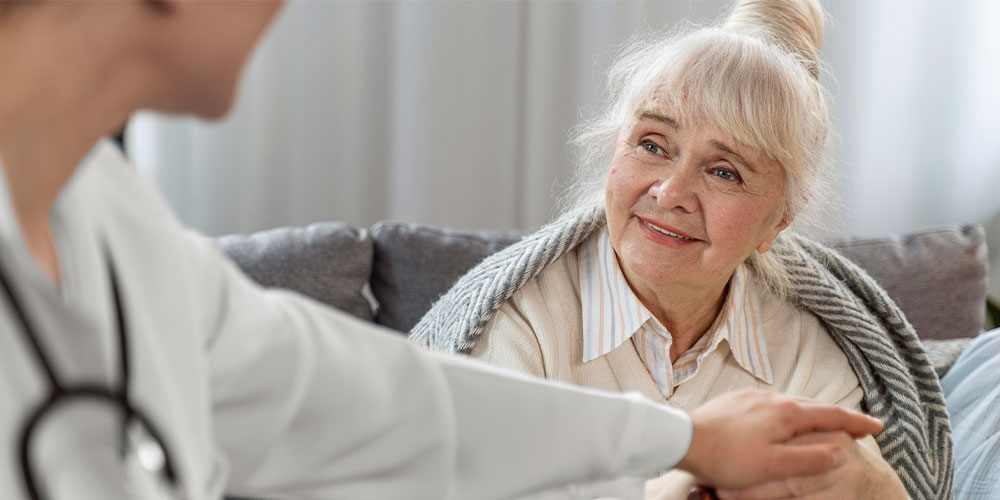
[309, 402]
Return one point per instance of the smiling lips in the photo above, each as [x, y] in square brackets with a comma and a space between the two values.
[672, 233]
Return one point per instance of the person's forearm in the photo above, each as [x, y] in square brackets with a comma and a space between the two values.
[518, 434]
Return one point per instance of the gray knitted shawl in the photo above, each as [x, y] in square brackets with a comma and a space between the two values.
[899, 383]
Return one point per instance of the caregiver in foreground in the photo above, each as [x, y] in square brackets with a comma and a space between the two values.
[674, 274]
[138, 362]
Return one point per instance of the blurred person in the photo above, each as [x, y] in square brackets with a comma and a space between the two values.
[138, 362]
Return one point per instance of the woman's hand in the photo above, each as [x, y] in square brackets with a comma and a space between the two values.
[863, 475]
[741, 439]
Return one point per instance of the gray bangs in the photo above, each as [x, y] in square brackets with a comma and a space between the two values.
[752, 90]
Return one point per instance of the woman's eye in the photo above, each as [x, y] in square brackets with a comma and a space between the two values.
[726, 174]
[652, 148]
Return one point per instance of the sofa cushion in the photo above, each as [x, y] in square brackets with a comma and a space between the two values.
[943, 353]
[936, 276]
[328, 261]
[416, 264]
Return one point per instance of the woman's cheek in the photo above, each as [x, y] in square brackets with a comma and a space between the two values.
[616, 184]
[739, 225]
[625, 180]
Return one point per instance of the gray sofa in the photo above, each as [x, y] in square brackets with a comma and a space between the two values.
[392, 272]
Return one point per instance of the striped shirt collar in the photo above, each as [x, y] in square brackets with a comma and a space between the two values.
[612, 314]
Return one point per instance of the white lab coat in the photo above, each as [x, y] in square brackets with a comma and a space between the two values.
[267, 393]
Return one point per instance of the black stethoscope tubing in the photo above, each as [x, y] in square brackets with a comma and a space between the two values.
[61, 395]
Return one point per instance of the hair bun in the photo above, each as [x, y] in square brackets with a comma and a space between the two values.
[796, 25]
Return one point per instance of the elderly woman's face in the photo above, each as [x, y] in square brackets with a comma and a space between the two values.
[686, 204]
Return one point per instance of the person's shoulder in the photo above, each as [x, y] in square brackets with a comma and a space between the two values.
[559, 281]
[553, 293]
[107, 179]
[112, 198]
[805, 358]
[528, 333]
[787, 324]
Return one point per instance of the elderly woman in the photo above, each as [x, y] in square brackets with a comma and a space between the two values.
[675, 276]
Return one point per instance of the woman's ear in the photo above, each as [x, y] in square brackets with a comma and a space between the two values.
[765, 245]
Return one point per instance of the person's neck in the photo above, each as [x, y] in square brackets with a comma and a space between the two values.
[60, 97]
[687, 312]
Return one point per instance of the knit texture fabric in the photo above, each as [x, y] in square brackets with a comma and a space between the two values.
[900, 385]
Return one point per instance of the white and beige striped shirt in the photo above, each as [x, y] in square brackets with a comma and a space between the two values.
[613, 314]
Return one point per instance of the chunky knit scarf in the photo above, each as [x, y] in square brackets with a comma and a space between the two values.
[899, 383]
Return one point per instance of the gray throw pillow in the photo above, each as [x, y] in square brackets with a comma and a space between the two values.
[415, 264]
[936, 276]
[328, 261]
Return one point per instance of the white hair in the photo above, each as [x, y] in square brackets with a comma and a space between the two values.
[756, 76]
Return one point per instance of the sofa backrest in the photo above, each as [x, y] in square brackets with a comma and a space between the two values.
[937, 276]
[327, 261]
[415, 264]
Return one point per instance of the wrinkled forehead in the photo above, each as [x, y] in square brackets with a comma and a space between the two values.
[743, 93]
[659, 102]
[660, 106]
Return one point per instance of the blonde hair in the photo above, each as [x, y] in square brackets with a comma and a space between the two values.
[755, 76]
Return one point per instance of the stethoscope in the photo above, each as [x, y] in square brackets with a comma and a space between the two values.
[148, 447]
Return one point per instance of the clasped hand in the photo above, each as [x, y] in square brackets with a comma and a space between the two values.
[762, 445]
[861, 474]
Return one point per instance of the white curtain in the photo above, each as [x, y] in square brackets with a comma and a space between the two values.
[919, 105]
[456, 113]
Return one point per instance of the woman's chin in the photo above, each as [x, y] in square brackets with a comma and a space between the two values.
[655, 266]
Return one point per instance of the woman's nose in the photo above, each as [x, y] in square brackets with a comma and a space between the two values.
[676, 189]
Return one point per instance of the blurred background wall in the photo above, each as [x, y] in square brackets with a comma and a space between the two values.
[456, 113]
